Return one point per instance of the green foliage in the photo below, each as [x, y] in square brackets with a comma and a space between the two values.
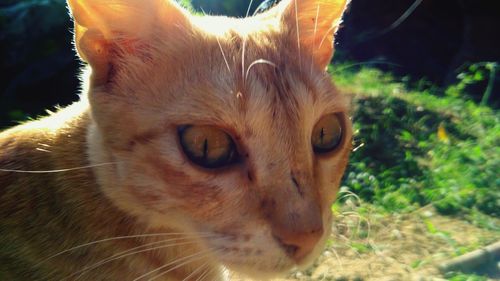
[483, 221]
[186, 4]
[361, 248]
[465, 277]
[414, 148]
[475, 74]
[418, 263]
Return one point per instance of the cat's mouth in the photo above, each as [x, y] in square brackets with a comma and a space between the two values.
[256, 255]
[259, 255]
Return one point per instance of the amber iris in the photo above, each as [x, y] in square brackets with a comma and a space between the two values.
[327, 134]
[207, 146]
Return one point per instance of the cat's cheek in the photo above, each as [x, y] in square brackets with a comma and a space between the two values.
[327, 184]
[204, 198]
[330, 171]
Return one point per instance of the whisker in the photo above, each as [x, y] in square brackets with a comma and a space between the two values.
[243, 61]
[298, 32]
[340, 69]
[223, 55]
[202, 276]
[360, 219]
[314, 37]
[400, 20]
[205, 265]
[358, 147]
[356, 215]
[348, 200]
[358, 254]
[259, 61]
[58, 170]
[122, 255]
[203, 11]
[341, 264]
[206, 273]
[187, 259]
[249, 6]
[347, 196]
[348, 240]
[350, 194]
[326, 35]
[118, 238]
[208, 269]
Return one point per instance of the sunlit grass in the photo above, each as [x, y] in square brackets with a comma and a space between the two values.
[420, 147]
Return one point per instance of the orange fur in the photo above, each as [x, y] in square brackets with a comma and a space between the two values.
[154, 67]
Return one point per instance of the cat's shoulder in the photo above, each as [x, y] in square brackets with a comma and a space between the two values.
[41, 143]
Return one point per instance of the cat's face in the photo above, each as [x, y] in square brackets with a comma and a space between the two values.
[230, 128]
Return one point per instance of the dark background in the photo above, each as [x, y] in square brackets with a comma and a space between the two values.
[437, 41]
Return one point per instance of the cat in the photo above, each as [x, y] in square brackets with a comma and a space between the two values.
[200, 144]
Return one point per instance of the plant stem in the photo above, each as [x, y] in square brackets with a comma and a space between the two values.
[491, 82]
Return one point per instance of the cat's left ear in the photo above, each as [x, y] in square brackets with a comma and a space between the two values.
[315, 23]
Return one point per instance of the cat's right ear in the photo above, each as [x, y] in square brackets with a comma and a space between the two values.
[107, 31]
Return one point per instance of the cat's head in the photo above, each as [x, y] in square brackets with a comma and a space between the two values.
[226, 127]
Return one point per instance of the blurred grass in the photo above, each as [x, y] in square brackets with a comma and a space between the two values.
[415, 147]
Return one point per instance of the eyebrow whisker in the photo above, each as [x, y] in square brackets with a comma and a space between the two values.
[223, 55]
[259, 61]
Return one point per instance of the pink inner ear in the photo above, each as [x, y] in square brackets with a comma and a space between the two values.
[105, 56]
[94, 49]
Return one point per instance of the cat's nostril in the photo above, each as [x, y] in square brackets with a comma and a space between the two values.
[291, 250]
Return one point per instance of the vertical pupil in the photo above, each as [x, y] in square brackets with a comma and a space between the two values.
[205, 149]
[322, 135]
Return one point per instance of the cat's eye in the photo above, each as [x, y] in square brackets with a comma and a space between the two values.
[327, 133]
[207, 146]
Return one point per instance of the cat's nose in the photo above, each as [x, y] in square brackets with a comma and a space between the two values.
[299, 245]
[299, 233]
